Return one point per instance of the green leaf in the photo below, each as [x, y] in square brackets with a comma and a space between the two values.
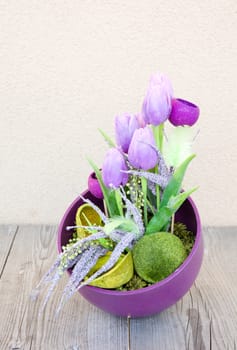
[109, 195]
[107, 139]
[162, 217]
[175, 183]
[159, 220]
[97, 171]
[176, 201]
[118, 201]
[126, 225]
[179, 145]
[113, 206]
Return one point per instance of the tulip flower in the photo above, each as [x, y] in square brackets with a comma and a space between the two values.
[183, 113]
[141, 121]
[142, 153]
[125, 125]
[114, 169]
[157, 103]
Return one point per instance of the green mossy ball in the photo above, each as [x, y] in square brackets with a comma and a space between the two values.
[157, 255]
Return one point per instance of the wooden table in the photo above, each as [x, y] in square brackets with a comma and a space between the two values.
[206, 317]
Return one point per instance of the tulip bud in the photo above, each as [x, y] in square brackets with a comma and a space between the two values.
[141, 121]
[113, 169]
[183, 113]
[157, 103]
[142, 153]
[125, 125]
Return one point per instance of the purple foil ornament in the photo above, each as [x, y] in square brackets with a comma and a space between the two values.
[113, 169]
[141, 152]
[94, 186]
[183, 113]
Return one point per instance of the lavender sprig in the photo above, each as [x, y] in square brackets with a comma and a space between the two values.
[83, 242]
[66, 260]
[53, 268]
[163, 169]
[158, 179]
[54, 279]
[89, 228]
[96, 208]
[117, 235]
[137, 217]
[120, 247]
[80, 270]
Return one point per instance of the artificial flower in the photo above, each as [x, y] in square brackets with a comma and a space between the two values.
[113, 169]
[141, 187]
[125, 125]
[157, 103]
[142, 153]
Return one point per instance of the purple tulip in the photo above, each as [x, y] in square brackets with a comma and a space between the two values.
[157, 103]
[142, 153]
[141, 121]
[113, 169]
[125, 125]
[183, 113]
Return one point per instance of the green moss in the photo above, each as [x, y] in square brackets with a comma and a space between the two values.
[157, 255]
[135, 283]
[187, 237]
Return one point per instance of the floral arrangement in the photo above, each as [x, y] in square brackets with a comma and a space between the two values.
[131, 240]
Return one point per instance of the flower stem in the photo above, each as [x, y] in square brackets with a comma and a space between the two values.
[172, 224]
[119, 202]
[144, 190]
[105, 208]
[158, 135]
[157, 194]
[161, 133]
[155, 130]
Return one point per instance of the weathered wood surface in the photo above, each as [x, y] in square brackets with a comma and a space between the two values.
[206, 318]
[7, 236]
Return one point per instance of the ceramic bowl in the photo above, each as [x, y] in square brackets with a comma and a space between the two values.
[153, 299]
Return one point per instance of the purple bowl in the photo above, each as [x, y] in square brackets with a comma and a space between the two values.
[153, 299]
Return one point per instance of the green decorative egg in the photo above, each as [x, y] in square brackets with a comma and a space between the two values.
[157, 255]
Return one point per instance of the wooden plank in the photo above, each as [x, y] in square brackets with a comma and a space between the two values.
[206, 316]
[7, 235]
[79, 326]
[204, 319]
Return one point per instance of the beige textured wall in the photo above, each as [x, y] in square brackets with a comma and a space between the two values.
[66, 67]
